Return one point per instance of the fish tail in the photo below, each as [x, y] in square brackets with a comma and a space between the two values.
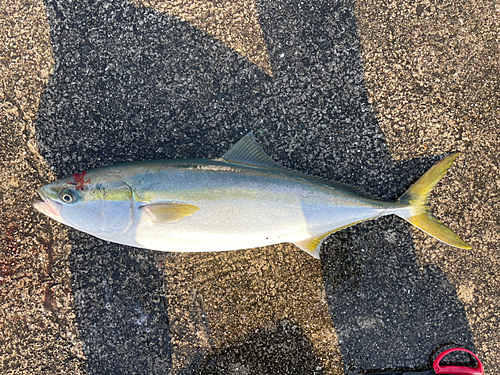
[417, 199]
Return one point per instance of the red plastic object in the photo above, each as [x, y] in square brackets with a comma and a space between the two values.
[457, 370]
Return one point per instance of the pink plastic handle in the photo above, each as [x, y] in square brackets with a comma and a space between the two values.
[457, 370]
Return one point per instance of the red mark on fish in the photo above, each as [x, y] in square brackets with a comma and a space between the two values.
[79, 180]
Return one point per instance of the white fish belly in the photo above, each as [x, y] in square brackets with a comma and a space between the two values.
[247, 224]
[218, 226]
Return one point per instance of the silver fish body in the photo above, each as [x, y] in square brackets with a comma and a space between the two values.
[243, 200]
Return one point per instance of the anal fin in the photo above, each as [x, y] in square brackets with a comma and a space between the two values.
[312, 245]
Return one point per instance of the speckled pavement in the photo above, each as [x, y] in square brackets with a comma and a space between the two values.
[366, 93]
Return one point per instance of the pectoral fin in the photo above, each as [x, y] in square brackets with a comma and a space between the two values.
[169, 212]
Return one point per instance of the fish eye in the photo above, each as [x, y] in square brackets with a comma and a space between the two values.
[67, 196]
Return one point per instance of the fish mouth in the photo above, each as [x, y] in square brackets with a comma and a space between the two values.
[48, 206]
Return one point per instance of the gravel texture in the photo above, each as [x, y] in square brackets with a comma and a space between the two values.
[366, 93]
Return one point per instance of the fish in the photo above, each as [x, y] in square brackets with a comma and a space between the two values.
[239, 201]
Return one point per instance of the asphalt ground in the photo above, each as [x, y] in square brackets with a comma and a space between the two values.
[366, 93]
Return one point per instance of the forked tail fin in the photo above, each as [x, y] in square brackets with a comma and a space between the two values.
[417, 197]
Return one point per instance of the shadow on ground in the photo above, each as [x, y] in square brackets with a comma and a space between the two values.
[282, 349]
[134, 84]
[387, 311]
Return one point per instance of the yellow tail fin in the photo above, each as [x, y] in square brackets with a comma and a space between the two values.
[417, 197]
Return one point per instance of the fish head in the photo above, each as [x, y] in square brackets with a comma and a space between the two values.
[92, 205]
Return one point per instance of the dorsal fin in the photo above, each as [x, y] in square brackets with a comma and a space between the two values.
[247, 151]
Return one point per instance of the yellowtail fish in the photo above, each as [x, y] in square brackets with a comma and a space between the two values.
[242, 200]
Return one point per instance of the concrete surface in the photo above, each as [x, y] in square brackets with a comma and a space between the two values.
[367, 93]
